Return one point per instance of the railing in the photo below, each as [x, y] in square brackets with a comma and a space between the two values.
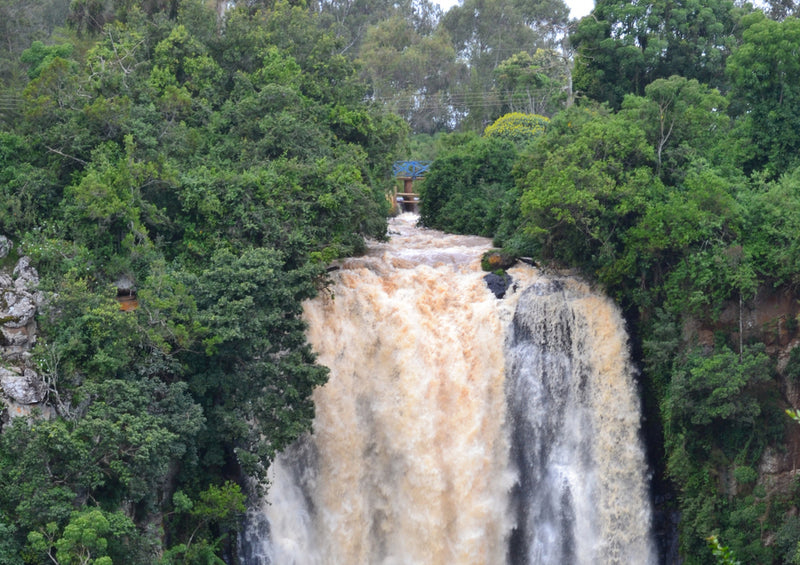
[410, 169]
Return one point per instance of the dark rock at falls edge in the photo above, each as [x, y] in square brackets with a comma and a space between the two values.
[498, 284]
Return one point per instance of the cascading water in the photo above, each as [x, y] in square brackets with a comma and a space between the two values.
[454, 430]
[581, 494]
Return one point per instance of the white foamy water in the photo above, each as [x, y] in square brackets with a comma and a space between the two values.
[420, 450]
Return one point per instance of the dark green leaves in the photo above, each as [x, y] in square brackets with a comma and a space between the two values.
[466, 186]
[717, 388]
[765, 73]
[258, 372]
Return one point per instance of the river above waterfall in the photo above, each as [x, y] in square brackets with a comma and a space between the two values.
[457, 428]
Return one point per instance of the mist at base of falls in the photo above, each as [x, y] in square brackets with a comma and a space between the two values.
[457, 428]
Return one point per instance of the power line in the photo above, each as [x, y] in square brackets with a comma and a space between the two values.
[487, 99]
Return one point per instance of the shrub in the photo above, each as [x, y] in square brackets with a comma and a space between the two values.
[517, 127]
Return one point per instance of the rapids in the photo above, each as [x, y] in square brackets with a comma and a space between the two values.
[456, 428]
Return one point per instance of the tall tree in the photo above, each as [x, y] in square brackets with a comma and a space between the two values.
[624, 46]
[534, 84]
[684, 120]
[486, 33]
[350, 19]
[765, 77]
[412, 73]
[21, 23]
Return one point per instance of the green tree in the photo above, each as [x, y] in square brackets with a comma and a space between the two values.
[764, 73]
[723, 553]
[485, 33]
[27, 191]
[684, 120]
[21, 24]
[108, 208]
[710, 389]
[350, 19]
[256, 378]
[622, 47]
[9, 548]
[205, 522]
[412, 74]
[92, 537]
[772, 211]
[466, 186]
[585, 184]
[517, 127]
[38, 56]
[533, 84]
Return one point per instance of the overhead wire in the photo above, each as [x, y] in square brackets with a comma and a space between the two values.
[485, 99]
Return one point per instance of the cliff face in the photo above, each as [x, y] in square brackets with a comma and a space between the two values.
[771, 317]
[21, 388]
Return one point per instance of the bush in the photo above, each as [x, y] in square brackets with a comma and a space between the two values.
[465, 187]
[517, 127]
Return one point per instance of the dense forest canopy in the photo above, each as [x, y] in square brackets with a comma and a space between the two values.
[212, 167]
[211, 158]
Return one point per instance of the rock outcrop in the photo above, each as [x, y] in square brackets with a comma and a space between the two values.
[498, 284]
[21, 388]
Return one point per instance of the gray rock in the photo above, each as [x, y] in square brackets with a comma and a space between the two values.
[25, 275]
[498, 284]
[19, 309]
[5, 246]
[23, 389]
[15, 337]
[18, 304]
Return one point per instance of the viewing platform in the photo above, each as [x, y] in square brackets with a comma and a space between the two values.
[408, 172]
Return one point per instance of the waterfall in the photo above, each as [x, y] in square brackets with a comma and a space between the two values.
[457, 428]
[581, 495]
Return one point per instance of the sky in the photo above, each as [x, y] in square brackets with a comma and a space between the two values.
[578, 8]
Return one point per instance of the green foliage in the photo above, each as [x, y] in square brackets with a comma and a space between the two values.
[764, 77]
[204, 523]
[23, 22]
[534, 84]
[623, 47]
[9, 548]
[712, 389]
[411, 72]
[517, 127]
[257, 374]
[745, 475]
[39, 56]
[212, 173]
[684, 121]
[121, 448]
[771, 211]
[723, 554]
[485, 32]
[787, 538]
[92, 536]
[467, 185]
[585, 183]
[26, 190]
